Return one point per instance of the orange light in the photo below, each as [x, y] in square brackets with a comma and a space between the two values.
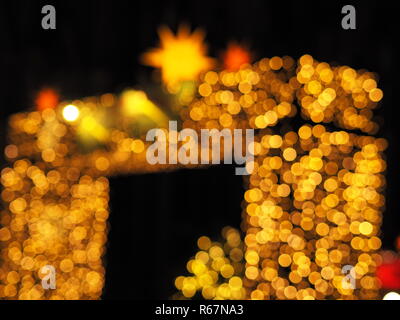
[235, 56]
[46, 99]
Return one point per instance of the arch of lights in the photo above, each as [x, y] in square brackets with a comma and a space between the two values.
[313, 203]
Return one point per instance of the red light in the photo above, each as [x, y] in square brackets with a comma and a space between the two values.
[235, 56]
[389, 275]
[46, 98]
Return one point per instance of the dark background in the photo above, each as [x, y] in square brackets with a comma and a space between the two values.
[156, 219]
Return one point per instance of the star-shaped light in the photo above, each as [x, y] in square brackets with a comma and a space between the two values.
[180, 57]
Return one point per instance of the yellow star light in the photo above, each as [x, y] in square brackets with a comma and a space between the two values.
[180, 57]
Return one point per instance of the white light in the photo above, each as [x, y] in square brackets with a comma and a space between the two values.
[391, 296]
[70, 113]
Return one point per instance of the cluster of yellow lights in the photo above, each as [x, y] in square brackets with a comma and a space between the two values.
[313, 203]
[217, 269]
[315, 199]
[54, 198]
[338, 94]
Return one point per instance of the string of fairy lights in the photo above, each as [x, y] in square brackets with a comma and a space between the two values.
[312, 205]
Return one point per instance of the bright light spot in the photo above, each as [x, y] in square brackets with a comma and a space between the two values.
[391, 296]
[70, 113]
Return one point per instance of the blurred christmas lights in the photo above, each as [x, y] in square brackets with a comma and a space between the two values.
[313, 203]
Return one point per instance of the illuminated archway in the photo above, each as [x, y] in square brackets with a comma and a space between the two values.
[313, 205]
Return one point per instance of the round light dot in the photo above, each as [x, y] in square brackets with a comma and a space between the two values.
[70, 113]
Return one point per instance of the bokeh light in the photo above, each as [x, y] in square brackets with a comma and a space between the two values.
[70, 113]
[235, 56]
[47, 98]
